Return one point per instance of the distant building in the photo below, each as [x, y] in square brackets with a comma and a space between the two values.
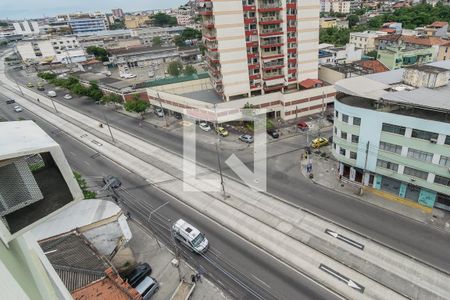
[333, 22]
[62, 49]
[365, 40]
[399, 56]
[136, 21]
[333, 73]
[391, 133]
[147, 34]
[338, 55]
[391, 27]
[341, 6]
[26, 28]
[438, 29]
[109, 39]
[325, 6]
[117, 13]
[444, 51]
[85, 22]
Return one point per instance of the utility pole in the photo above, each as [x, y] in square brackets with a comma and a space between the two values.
[218, 155]
[109, 128]
[160, 105]
[54, 106]
[149, 218]
[361, 191]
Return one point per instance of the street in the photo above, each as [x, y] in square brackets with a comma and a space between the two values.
[241, 269]
[286, 182]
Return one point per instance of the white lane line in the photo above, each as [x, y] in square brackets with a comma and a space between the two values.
[261, 281]
[73, 154]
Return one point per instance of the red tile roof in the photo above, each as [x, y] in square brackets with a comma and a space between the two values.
[438, 24]
[374, 65]
[309, 83]
[425, 41]
[388, 30]
[112, 287]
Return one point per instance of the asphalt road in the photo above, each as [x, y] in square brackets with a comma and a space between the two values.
[242, 270]
[419, 240]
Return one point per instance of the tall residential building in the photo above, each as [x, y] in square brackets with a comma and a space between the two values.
[392, 133]
[259, 46]
[117, 13]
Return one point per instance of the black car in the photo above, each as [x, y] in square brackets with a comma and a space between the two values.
[138, 273]
[273, 133]
[178, 116]
[10, 101]
[112, 181]
[330, 118]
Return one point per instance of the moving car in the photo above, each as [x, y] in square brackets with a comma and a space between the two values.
[273, 133]
[189, 236]
[221, 131]
[17, 108]
[159, 112]
[147, 287]
[303, 126]
[319, 142]
[138, 274]
[246, 138]
[51, 94]
[40, 87]
[204, 126]
[10, 101]
[112, 181]
[178, 116]
[67, 96]
[30, 85]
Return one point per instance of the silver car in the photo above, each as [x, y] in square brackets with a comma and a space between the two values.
[246, 138]
[147, 287]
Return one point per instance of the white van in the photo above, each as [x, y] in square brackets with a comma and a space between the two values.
[51, 93]
[190, 236]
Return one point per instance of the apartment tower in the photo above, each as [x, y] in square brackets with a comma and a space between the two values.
[258, 46]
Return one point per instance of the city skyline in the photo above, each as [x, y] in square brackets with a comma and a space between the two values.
[47, 8]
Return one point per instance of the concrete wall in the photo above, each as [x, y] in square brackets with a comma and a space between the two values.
[329, 75]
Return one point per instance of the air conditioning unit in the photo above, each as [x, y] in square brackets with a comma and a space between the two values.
[433, 140]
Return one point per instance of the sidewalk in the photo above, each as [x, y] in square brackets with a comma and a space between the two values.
[146, 249]
[325, 171]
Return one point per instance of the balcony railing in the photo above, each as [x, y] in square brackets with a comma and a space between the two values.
[208, 24]
[267, 42]
[213, 55]
[270, 5]
[276, 63]
[271, 30]
[209, 34]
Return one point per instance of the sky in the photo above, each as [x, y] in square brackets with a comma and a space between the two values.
[22, 9]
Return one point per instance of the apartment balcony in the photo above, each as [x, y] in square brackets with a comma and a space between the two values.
[270, 20]
[291, 4]
[291, 17]
[249, 20]
[273, 42]
[251, 44]
[208, 24]
[273, 65]
[291, 28]
[205, 8]
[252, 55]
[255, 86]
[272, 55]
[292, 40]
[273, 88]
[253, 66]
[211, 45]
[292, 50]
[254, 76]
[292, 70]
[270, 31]
[213, 56]
[248, 5]
[268, 7]
[209, 35]
[292, 60]
[273, 76]
[251, 32]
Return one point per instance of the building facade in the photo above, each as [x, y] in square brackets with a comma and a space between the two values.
[86, 22]
[259, 46]
[26, 28]
[117, 13]
[365, 40]
[396, 57]
[386, 137]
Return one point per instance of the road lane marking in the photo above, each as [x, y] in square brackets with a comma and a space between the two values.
[261, 281]
[73, 154]
[344, 239]
[354, 285]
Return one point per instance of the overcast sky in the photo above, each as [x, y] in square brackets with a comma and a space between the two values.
[19, 9]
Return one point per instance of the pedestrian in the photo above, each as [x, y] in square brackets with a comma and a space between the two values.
[193, 278]
[38, 100]
[198, 277]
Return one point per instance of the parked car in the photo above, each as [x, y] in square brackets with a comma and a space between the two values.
[178, 116]
[246, 138]
[137, 275]
[273, 133]
[30, 84]
[221, 131]
[303, 126]
[189, 236]
[51, 94]
[17, 108]
[330, 118]
[40, 87]
[10, 101]
[67, 96]
[159, 112]
[319, 142]
[147, 287]
[204, 126]
[112, 181]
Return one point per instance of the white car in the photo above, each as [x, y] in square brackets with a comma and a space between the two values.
[67, 96]
[159, 112]
[204, 126]
[51, 93]
[17, 108]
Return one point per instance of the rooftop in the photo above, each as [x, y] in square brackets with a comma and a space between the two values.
[140, 49]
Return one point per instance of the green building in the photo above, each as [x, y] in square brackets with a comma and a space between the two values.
[399, 56]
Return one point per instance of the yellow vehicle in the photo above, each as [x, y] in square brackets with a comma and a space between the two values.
[319, 142]
[221, 131]
[30, 85]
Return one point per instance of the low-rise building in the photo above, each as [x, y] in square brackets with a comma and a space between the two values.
[333, 22]
[61, 49]
[341, 6]
[165, 33]
[399, 56]
[126, 58]
[438, 28]
[365, 40]
[333, 73]
[444, 51]
[136, 21]
[391, 133]
[338, 55]
[26, 28]
[325, 6]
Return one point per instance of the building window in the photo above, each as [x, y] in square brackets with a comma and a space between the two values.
[335, 130]
[334, 146]
[447, 140]
[356, 121]
[342, 151]
[444, 161]
[415, 173]
[424, 135]
[393, 128]
[442, 180]
[420, 155]
[390, 147]
[355, 138]
[337, 115]
[344, 118]
[387, 165]
[353, 155]
[343, 135]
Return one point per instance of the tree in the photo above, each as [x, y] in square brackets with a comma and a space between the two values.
[94, 91]
[83, 186]
[118, 24]
[178, 40]
[334, 35]
[156, 41]
[373, 54]
[352, 20]
[189, 70]
[111, 98]
[175, 68]
[99, 53]
[163, 20]
[137, 105]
